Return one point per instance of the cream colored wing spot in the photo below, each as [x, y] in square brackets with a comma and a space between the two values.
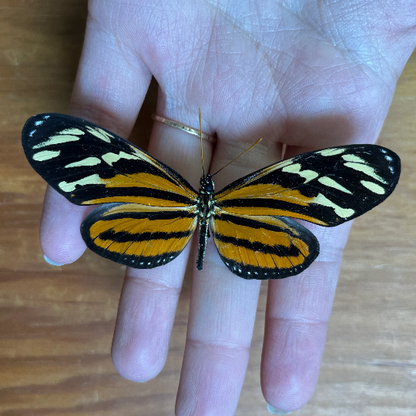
[58, 139]
[72, 132]
[89, 161]
[46, 155]
[111, 158]
[341, 212]
[331, 152]
[100, 133]
[88, 180]
[373, 187]
[353, 158]
[364, 168]
[329, 182]
[296, 168]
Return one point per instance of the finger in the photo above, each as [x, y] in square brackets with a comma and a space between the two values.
[145, 318]
[298, 310]
[149, 298]
[58, 215]
[222, 314]
[109, 91]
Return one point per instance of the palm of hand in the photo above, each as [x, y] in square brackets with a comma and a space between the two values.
[309, 75]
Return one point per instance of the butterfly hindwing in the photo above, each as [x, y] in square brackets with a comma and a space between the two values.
[263, 247]
[326, 187]
[138, 236]
[89, 165]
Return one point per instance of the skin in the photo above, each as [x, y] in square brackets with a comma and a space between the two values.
[307, 74]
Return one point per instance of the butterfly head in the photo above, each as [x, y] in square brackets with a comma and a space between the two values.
[207, 184]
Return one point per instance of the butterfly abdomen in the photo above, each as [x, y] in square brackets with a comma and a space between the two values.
[205, 211]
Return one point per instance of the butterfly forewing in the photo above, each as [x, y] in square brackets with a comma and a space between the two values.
[326, 187]
[263, 247]
[89, 165]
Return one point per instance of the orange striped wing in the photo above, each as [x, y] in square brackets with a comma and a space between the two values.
[138, 236]
[263, 247]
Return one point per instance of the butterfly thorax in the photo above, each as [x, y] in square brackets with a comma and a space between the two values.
[205, 210]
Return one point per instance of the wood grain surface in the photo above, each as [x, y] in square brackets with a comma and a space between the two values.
[56, 323]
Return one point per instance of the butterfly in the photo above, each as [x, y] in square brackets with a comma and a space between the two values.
[148, 212]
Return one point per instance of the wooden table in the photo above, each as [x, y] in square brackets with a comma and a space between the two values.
[56, 323]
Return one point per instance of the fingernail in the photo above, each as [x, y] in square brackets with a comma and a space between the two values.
[54, 263]
[275, 411]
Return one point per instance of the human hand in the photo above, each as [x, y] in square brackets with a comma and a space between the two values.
[307, 75]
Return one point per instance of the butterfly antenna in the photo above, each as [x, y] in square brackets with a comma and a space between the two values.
[202, 147]
[245, 151]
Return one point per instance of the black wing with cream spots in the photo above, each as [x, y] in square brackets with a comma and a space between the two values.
[90, 165]
[326, 187]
